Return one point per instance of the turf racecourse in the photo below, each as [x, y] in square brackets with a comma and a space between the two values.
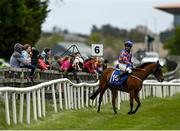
[155, 113]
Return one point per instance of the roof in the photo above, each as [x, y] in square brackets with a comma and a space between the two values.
[172, 8]
[61, 47]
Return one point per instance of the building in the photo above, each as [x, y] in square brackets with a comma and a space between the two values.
[174, 9]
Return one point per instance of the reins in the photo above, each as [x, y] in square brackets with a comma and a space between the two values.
[136, 77]
[139, 69]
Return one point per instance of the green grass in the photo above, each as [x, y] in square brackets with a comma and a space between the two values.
[155, 113]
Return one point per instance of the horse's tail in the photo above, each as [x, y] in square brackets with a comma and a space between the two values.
[94, 95]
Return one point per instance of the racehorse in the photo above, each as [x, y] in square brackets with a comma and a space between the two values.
[132, 85]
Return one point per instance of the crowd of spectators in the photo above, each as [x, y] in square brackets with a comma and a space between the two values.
[25, 56]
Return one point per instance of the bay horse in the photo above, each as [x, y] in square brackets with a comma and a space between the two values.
[132, 85]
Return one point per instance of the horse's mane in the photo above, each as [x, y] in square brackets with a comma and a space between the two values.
[144, 64]
[137, 67]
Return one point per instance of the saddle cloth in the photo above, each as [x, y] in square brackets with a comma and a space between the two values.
[118, 82]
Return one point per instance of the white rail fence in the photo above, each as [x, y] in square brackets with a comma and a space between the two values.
[67, 95]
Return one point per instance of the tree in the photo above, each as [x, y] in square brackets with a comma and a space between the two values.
[20, 21]
[173, 44]
[49, 41]
[136, 35]
[108, 30]
[95, 37]
[94, 29]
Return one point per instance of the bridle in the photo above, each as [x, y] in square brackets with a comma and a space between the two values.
[155, 72]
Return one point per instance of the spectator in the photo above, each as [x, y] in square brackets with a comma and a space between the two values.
[26, 52]
[105, 64]
[42, 65]
[89, 66]
[98, 65]
[17, 59]
[55, 63]
[34, 57]
[77, 65]
[65, 64]
[78, 61]
[71, 68]
[46, 54]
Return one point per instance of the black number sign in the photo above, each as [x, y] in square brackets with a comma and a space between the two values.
[96, 49]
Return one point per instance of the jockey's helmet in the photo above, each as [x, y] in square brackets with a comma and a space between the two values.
[128, 43]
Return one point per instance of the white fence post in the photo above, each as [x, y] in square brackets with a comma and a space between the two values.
[54, 98]
[110, 96]
[71, 97]
[60, 96]
[28, 97]
[39, 103]
[34, 105]
[75, 98]
[91, 101]
[7, 107]
[65, 95]
[82, 96]
[68, 96]
[43, 102]
[79, 106]
[119, 100]
[21, 107]
[14, 108]
[87, 96]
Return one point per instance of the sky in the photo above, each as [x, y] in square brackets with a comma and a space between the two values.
[78, 16]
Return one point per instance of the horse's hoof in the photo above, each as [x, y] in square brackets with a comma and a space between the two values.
[115, 113]
[130, 113]
[133, 112]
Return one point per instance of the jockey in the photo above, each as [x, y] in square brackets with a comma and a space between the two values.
[125, 58]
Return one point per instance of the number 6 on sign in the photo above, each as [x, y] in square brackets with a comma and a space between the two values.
[97, 49]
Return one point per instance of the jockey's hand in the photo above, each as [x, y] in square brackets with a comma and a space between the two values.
[130, 66]
[129, 70]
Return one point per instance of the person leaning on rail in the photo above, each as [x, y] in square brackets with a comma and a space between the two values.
[17, 59]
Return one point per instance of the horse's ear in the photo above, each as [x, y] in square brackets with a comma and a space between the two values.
[158, 62]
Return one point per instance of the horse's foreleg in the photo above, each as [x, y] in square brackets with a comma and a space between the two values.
[114, 95]
[136, 97]
[131, 102]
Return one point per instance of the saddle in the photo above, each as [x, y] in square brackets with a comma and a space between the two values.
[117, 81]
